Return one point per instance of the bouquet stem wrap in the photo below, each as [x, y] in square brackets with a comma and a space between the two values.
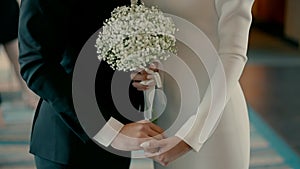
[150, 93]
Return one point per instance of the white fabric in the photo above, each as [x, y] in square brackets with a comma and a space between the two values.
[108, 132]
[218, 142]
[149, 98]
[149, 94]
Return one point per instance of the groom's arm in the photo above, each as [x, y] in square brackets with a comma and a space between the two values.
[128, 137]
[108, 132]
[42, 41]
[117, 130]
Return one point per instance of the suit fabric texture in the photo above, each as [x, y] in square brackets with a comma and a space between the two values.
[51, 35]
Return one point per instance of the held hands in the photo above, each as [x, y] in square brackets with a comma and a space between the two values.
[165, 150]
[132, 135]
[162, 150]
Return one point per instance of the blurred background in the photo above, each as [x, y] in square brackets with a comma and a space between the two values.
[271, 82]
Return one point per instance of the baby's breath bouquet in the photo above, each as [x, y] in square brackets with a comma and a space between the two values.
[134, 36]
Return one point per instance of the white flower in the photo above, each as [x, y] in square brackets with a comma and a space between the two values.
[134, 36]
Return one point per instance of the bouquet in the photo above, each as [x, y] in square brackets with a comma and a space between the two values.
[134, 36]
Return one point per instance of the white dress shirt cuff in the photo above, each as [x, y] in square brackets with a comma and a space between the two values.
[109, 131]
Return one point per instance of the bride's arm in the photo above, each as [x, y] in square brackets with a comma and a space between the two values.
[233, 29]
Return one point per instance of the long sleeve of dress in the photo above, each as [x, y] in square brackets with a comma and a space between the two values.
[233, 29]
[42, 43]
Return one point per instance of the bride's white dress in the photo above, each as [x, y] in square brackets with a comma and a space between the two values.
[225, 143]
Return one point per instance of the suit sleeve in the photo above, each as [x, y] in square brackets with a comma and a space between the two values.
[233, 29]
[42, 41]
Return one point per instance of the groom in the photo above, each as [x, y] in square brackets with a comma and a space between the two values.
[51, 35]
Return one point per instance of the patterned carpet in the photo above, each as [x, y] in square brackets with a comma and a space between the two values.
[268, 151]
[14, 137]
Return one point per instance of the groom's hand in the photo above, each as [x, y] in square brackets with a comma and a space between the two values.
[169, 149]
[132, 135]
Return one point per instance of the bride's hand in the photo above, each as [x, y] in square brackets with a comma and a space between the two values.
[133, 134]
[169, 148]
[142, 79]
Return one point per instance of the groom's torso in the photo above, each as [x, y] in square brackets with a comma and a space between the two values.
[83, 19]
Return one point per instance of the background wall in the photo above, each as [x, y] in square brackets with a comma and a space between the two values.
[269, 11]
[280, 18]
[292, 21]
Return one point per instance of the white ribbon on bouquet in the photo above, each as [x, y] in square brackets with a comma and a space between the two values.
[149, 94]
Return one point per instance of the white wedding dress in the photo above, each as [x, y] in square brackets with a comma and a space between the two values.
[219, 137]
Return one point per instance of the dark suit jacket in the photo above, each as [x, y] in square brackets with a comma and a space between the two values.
[51, 35]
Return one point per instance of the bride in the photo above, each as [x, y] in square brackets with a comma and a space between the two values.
[205, 116]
